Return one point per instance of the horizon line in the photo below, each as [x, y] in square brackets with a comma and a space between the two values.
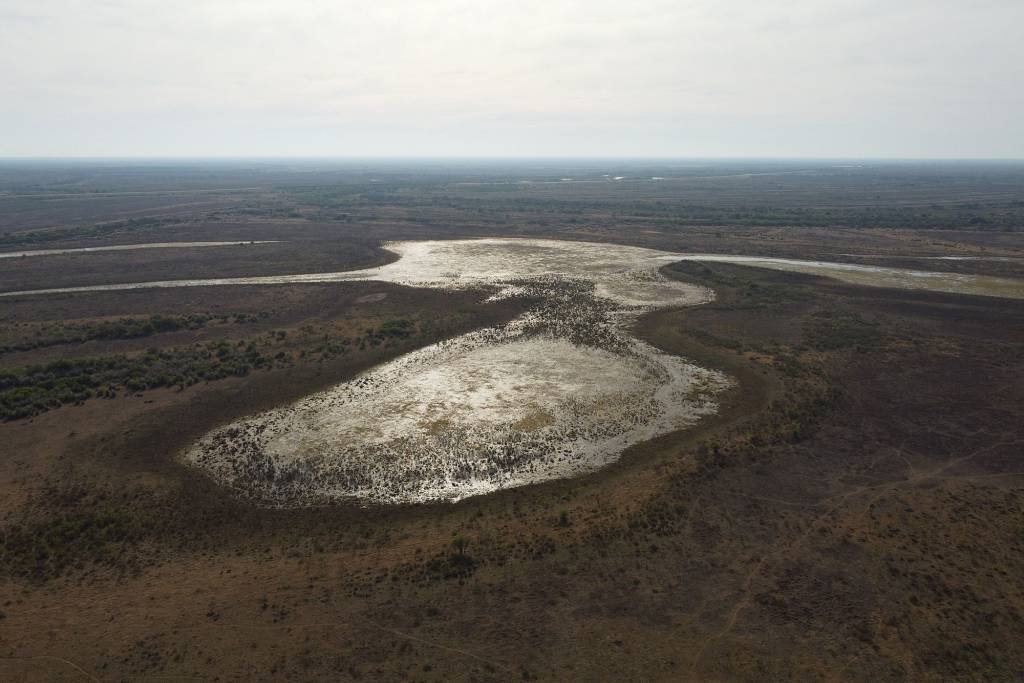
[441, 157]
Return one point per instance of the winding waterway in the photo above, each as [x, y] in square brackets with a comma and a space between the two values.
[561, 390]
[127, 247]
[443, 262]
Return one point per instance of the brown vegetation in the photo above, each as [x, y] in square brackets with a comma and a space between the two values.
[836, 517]
[853, 512]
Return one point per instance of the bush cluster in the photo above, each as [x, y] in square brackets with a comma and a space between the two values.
[34, 389]
[123, 328]
[37, 388]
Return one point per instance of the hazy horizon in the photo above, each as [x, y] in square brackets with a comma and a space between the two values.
[730, 80]
[508, 158]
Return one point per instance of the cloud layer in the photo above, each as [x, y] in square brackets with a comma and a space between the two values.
[936, 78]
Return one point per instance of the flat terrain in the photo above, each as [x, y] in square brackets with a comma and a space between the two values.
[854, 510]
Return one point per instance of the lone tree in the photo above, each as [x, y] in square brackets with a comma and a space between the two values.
[460, 543]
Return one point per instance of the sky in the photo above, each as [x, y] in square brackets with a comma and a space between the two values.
[467, 78]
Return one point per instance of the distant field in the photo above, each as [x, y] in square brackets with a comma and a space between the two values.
[947, 195]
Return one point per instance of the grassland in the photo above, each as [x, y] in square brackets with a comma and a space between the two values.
[853, 511]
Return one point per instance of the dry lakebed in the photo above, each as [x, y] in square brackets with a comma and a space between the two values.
[562, 390]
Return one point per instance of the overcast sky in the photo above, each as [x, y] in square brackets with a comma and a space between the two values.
[807, 78]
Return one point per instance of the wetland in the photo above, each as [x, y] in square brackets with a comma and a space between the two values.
[748, 421]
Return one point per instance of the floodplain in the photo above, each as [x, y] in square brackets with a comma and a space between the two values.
[765, 420]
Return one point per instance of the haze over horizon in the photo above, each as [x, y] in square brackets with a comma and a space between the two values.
[732, 79]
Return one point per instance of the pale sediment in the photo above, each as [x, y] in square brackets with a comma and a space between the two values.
[560, 391]
[128, 247]
[557, 392]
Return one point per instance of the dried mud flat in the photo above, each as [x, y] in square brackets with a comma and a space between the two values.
[483, 262]
[562, 390]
